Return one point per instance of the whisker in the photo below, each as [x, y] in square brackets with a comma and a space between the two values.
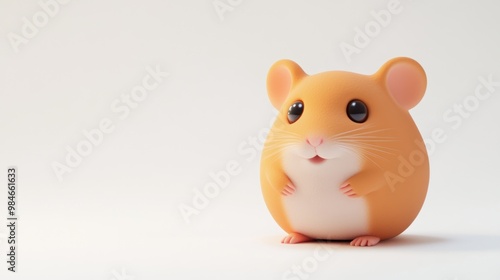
[374, 147]
[372, 139]
[359, 132]
[381, 154]
[353, 130]
[278, 134]
[276, 151]
[360, 154]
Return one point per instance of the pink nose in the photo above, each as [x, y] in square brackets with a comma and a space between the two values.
[314, 141]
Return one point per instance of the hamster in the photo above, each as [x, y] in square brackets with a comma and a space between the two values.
[344, 159]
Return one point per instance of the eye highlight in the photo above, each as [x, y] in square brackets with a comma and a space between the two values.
[295, 111]
[357, 111]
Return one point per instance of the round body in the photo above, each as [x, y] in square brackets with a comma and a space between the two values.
[344, 159]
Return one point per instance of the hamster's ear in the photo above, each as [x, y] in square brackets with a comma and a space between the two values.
[404, 79]
[282, 77]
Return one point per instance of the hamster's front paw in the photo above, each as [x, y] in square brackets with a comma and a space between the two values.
[289, 189]
[348, 190]
[295, 237]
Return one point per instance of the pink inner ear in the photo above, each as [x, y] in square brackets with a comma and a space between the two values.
[406, 83]
[279, 83]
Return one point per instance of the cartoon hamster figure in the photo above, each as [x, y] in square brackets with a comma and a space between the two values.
[344, 159]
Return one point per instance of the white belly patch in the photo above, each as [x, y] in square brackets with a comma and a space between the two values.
[318, 208]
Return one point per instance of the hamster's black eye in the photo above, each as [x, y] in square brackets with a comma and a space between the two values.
[357, 111]
[295, 111]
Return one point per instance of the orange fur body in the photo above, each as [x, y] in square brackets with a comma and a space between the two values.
[386, 151]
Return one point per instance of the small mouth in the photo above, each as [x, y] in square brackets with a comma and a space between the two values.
[316, 159]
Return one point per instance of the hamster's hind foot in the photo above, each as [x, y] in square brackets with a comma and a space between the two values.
[364, 241]
[295, 237]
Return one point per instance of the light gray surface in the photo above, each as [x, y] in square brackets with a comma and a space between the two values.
[117, 212]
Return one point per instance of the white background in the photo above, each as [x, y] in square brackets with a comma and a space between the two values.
[116, 215]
